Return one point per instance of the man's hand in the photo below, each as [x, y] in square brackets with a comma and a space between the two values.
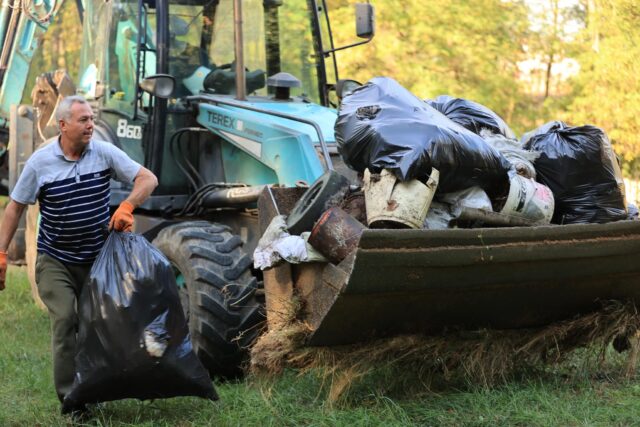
[10, 219]
[122, 219]
[3, 269]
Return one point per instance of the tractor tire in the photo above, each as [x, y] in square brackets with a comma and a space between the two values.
[218, 293]
[315, 201]
[31, 250]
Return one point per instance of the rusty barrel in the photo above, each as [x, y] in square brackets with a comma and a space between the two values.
[336, 234]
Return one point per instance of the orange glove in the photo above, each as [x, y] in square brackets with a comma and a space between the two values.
[122, 219]
[3, 269]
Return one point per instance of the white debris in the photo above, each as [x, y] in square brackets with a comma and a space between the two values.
[438, 217]
[276, 244]
[472, 197]
[450, 205]
[155, 346]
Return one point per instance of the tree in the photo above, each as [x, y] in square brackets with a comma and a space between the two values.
[554, 24]
[465, 49]
[607, 90]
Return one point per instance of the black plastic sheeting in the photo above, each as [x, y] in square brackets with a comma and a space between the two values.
[471, 115]
[133, 340]
[381, 125]
[579, 166]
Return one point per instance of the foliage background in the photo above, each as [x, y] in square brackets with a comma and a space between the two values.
[476, 50]
[473, 50]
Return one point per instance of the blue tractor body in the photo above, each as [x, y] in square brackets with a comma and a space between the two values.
[285, 148]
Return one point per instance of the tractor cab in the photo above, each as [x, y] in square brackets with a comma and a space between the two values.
[274, 59]
[199, 42]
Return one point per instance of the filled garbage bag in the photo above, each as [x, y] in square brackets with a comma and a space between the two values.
[133, 340]
[579, 166]
[381, 125]
[545, 128]
[471, 115]
[521, 160]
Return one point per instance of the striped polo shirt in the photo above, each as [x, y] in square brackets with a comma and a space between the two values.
[73, 196]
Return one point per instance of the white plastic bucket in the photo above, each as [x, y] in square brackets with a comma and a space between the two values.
[529, 199]
[403, 203]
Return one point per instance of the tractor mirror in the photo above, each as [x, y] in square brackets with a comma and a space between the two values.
[365, 26]
[365, 21]
[160, 85]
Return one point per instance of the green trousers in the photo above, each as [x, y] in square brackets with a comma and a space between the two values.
[59, 286]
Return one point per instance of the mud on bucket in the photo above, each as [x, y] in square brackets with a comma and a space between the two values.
[394, 204]
[529, 199]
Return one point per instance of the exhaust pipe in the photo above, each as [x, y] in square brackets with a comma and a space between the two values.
[232, 197]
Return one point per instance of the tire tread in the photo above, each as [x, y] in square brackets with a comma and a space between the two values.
[226, 314]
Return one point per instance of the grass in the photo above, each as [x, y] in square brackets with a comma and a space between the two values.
[569, 395]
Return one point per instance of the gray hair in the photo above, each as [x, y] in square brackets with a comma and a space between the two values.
[63, 112]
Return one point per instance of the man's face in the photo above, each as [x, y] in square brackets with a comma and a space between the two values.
[79, 127]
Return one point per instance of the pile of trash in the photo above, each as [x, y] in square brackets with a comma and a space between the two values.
[444, 163]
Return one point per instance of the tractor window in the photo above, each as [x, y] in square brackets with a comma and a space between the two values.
[222, 48]
[94, 42]
[297, 54]
[122, 55]
[276, 38]
[222, 44]
[186, 57]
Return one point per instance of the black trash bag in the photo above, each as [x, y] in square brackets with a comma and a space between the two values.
[579, 166]
[381, 125]
[471, 115]
[545, 128]
[133, 340]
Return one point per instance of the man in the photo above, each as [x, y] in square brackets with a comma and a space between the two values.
[70, 178]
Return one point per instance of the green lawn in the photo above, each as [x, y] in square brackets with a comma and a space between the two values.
[564, 396]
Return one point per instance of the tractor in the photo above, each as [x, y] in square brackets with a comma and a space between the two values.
[218, 98]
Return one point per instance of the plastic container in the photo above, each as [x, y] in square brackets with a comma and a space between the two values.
[394, 204]
[529, 199]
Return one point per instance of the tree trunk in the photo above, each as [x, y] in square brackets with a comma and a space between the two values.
[547, 80]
